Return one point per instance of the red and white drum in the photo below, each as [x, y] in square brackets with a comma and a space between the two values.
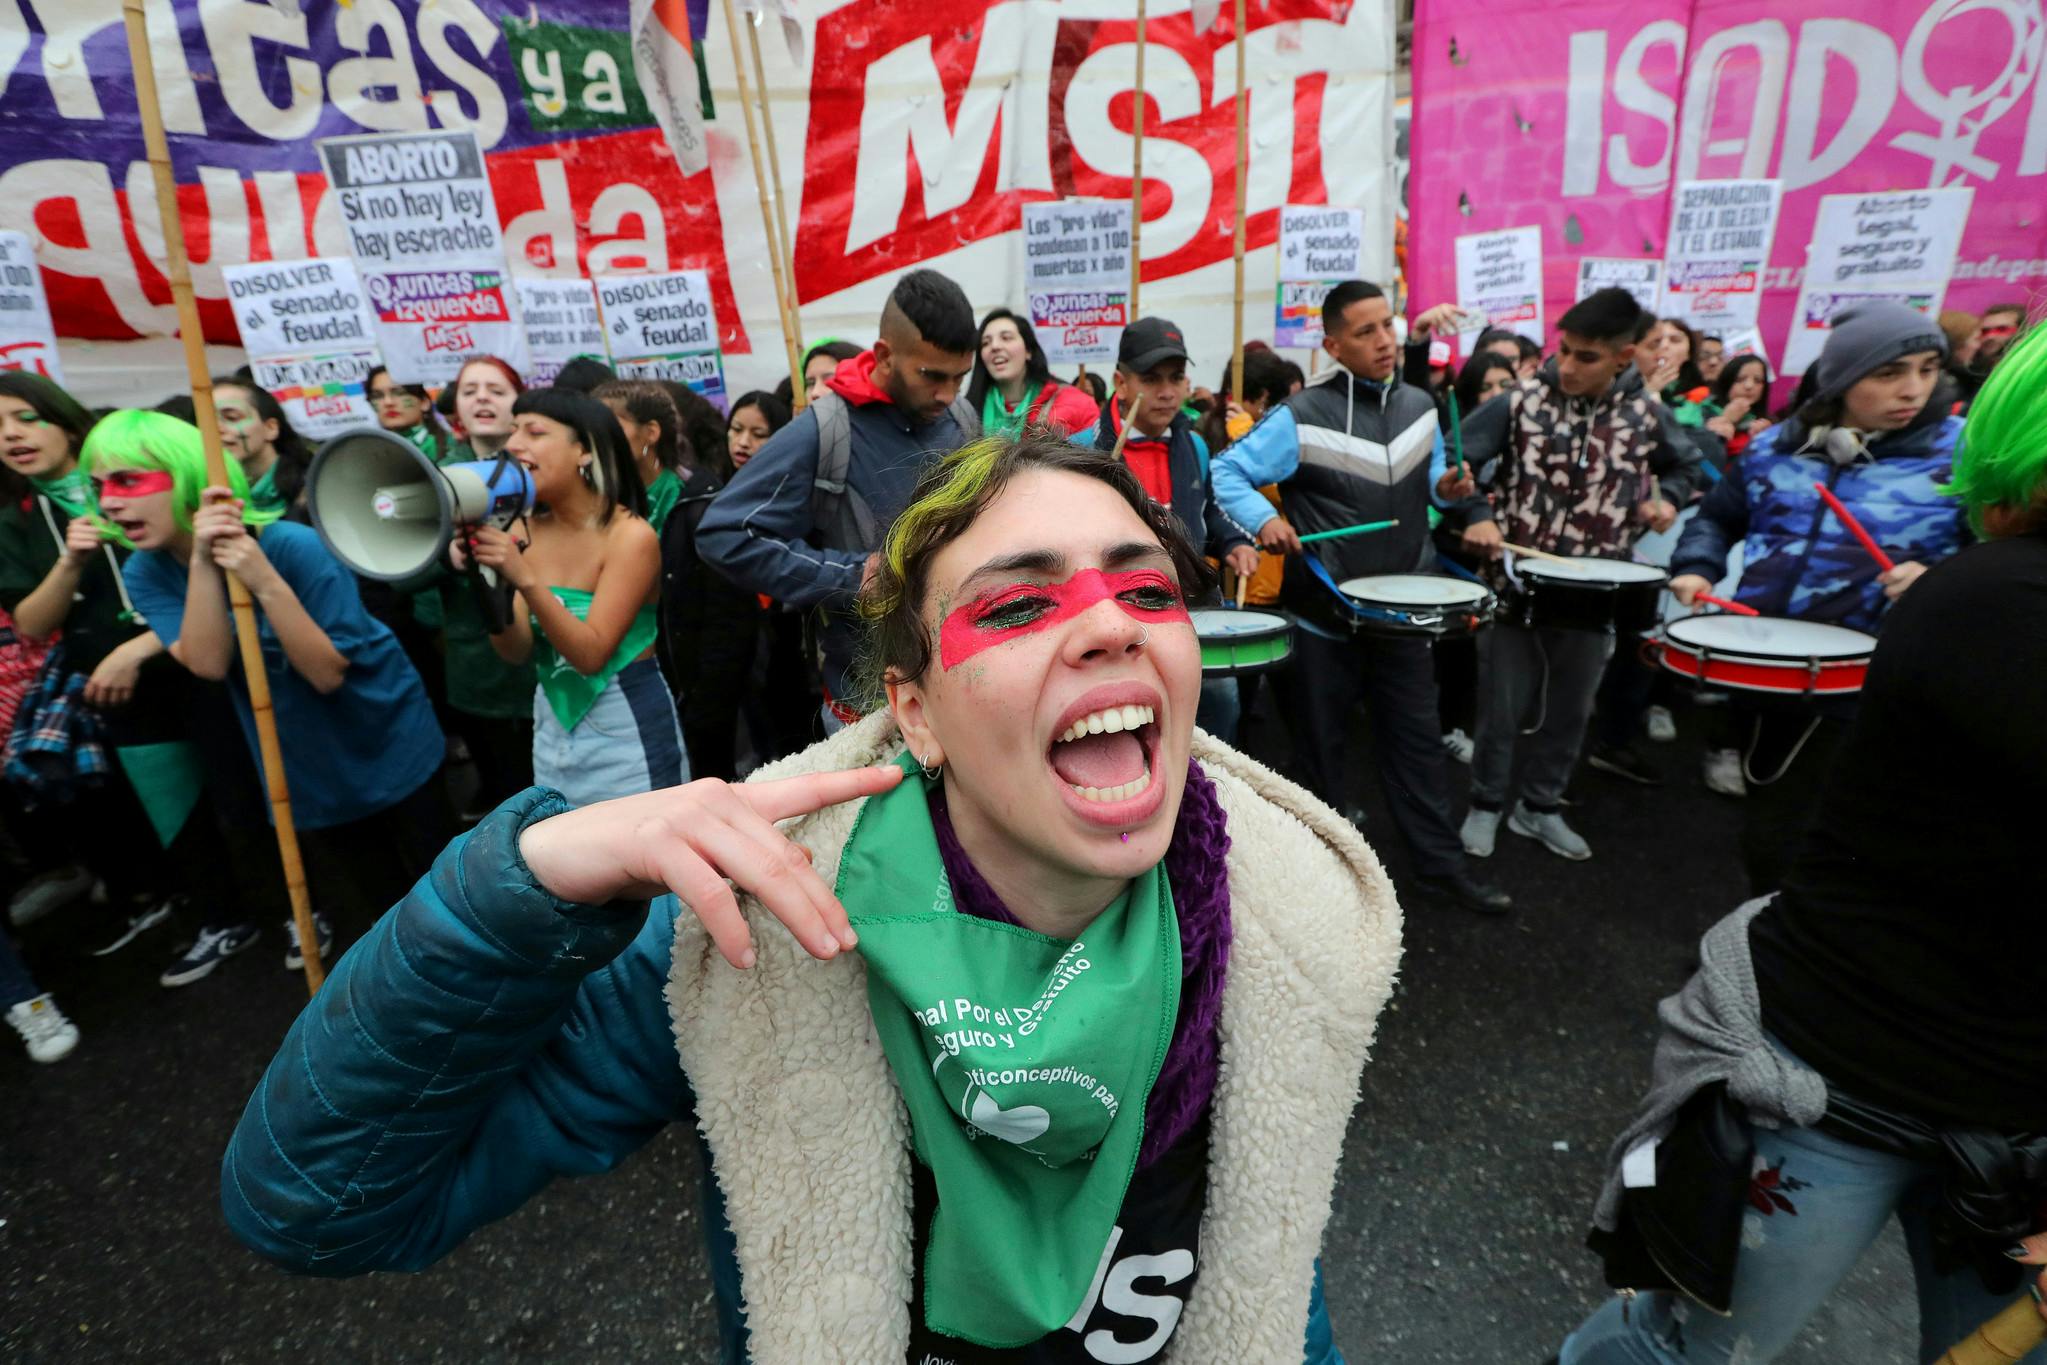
[1766, 654]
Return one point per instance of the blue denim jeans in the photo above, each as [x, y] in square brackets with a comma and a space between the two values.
[1828, 1200]
[16, 985]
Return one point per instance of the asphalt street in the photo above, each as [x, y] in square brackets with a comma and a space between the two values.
[1512, 1052]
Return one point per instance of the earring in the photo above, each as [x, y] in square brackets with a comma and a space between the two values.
[589, 475]
[930, 772]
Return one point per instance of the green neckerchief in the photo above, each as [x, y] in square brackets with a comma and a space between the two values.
[425, 439]
[263, 492]
[662, 495]
[1025, 1062]
[998, 418]
[569, 693]
[72, 492]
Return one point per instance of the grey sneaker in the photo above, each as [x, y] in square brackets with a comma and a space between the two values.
[1722, 771]
[1458, 745]
[53, 890]
[1550, 831]
[1481, 829]
[1660, 724]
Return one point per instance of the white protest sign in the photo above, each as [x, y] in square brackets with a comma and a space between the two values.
[663, 327]
[1899, 246]
[1716, 252]
[27, 340]
[1319, 248]
[423, 229]
[1499, 280]
[562, 322]
[1642, 278]
[310, 337]
[1077, 278]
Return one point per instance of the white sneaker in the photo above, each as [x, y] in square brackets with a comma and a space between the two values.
[43, 1027]
[1722, 771]
[1458, 744]
[1550, 831]
[1660, 724]
[1481, 828]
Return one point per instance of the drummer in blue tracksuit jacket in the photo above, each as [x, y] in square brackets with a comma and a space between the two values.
[889, 413]
[1355, 446]
[1878, 430]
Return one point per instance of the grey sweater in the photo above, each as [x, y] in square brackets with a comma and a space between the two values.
[1713, 1031]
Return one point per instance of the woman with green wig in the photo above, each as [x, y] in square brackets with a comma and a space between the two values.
[60, 575]
[362, 753]
[1050, 1057]
[1886, 1055]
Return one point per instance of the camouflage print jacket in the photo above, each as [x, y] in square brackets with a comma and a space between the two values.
[1566, 474]
[1798, 560]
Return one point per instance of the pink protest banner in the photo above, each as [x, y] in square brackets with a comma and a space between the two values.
[1580, 117]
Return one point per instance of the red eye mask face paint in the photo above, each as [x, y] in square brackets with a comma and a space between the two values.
[133, 483]
[1003, 614]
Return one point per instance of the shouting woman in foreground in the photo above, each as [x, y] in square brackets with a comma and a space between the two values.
[1050, 1058]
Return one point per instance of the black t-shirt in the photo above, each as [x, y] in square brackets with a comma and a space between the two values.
[1904, 958]
[1148, 1270]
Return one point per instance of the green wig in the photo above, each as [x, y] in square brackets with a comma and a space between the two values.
[2001, 459]
[133, 439]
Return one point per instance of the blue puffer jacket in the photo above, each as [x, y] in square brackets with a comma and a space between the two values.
[1799, 559]
[483, 1038]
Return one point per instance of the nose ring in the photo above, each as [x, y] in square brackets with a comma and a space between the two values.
[1143, 635]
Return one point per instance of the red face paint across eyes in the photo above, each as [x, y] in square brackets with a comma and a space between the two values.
[1006, 614]
[133, 483]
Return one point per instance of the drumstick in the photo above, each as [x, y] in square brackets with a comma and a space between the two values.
[1737, 608]
[1343, 531]
[1527, 553]
[1243, 588]
[1456, 433]
[1883, 561]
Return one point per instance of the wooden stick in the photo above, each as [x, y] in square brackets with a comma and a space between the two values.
[1737, 608]
[1137, 177]
[783, 296]
[1122, 432]
[794, 319]
[1243, 590]
[1243, 180]
[1340, 532]
[1527, 553]
[1876, 551]
[2004, 1339]
[179, 271]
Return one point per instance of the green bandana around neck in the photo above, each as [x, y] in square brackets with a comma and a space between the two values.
[998, 418]
[1025, 1062]
[72, 492]
[571, 694]
[662, 495]
[263, 494]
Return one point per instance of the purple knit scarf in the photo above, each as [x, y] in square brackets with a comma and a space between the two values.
[1196, 870]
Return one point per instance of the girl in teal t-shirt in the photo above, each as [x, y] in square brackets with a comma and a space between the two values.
[604, 724]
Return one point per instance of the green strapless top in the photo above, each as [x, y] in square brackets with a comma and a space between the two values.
[571, 694]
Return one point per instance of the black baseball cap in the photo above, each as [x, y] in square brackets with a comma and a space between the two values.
[1149, 342]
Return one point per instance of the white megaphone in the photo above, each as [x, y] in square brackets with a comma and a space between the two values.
[388, 512]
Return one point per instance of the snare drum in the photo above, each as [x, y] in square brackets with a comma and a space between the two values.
[1238, 642]
[1610, 595]
[1766, 654]
[1431, 605]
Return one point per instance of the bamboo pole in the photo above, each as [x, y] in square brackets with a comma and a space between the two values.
[179, 271]
[793, 320]
[760, 180]
[1243, 180]
[1137, 173]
